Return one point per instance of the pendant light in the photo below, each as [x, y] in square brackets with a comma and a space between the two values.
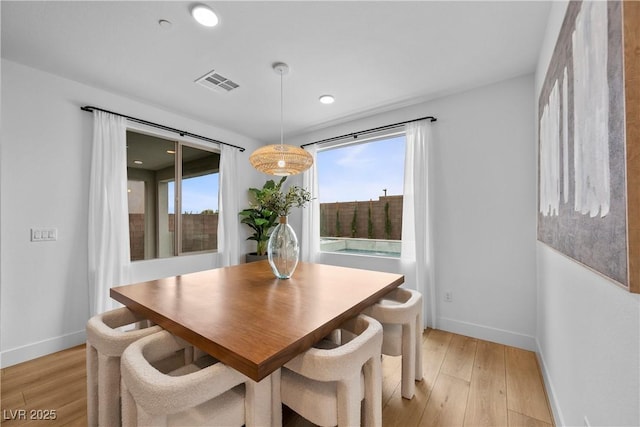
[281, 159]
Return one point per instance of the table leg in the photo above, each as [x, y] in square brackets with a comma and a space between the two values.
[264, 400]
[276, 400]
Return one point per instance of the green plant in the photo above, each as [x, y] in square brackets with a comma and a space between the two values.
[354, 221]
[369, 223]
[323, 221]
[387, 222]
[260, 218]
[338, 225]
[267, 204]
[281, 203]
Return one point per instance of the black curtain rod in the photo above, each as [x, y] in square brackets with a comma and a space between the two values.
[163, 127]
[367, 131]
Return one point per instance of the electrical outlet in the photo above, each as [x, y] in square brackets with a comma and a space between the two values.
[44, 234]
[448, 296]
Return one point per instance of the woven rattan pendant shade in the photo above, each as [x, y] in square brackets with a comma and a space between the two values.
[281, 159]
[268, 159]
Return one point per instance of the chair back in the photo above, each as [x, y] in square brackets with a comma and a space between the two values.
[399, 306]
[361, 338]
[326, 385]
[150, 396]
[106, 340]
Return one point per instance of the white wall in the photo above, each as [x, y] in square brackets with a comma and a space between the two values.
[588, 329]
[484, 209]
[46, 149]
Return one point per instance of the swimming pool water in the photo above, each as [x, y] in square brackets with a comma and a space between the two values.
[369, 252]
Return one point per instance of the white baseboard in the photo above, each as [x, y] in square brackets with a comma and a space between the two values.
[41, 348]
[553, 400]
[487, 333]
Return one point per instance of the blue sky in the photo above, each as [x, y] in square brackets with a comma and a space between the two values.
[198, 194]
[352, 173]
[361, 172]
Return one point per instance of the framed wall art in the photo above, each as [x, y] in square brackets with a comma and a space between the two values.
[589, 141]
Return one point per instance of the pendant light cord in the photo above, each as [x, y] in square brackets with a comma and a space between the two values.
[281, 111]
[282, 117]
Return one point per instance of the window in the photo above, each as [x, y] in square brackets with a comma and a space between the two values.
[173, 197]
[360, 193]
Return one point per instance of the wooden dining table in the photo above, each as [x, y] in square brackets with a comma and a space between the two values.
[253, 322]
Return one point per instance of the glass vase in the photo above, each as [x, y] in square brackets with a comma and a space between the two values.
[283, 250]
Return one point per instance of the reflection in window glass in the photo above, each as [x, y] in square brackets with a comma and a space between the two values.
[136, 196]
[199, 200]
[156, 212]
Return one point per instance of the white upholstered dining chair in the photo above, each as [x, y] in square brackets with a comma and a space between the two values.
[327, 383]
[400, 312]
[197, 394]
[105, 343]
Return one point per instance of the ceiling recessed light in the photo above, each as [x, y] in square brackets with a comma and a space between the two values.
[327, 99]
[204, 15]
[137, 162]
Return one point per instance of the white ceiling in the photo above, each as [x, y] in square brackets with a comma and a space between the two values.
[372, 56]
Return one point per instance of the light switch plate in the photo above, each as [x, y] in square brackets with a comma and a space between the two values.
[44, 234]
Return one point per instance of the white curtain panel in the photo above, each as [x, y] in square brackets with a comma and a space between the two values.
[228, 230]
[417, 237]
[310, 245]
[109, 257]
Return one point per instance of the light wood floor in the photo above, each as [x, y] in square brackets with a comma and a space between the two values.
[467, 382]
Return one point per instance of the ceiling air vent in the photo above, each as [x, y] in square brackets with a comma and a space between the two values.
[215, 81]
